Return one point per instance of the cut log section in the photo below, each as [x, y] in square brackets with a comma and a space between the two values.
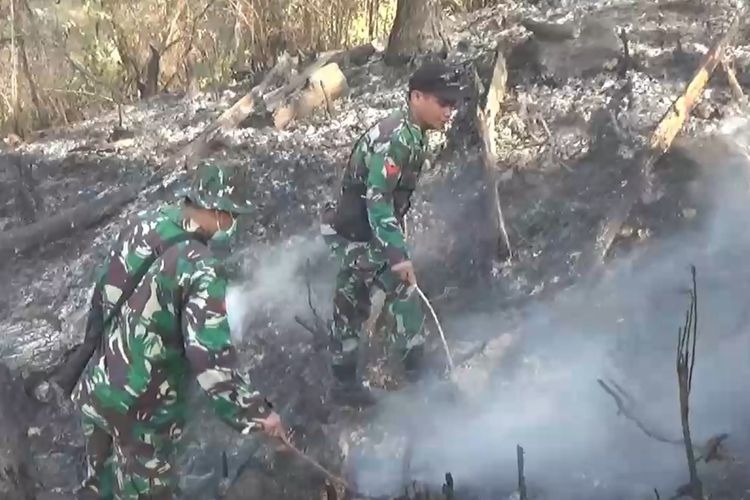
[670, 125]
[258, 100]
[323, 87]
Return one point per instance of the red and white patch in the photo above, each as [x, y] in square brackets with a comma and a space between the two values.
[391, 169]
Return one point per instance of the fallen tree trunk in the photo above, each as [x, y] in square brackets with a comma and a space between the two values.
[62, 224]
[323, 87]
[16, 482]
[661, 140]
[197, 148]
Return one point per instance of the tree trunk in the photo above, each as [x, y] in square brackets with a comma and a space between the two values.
[461, 225]
[15, 105]
[416, 30]
[151, 84]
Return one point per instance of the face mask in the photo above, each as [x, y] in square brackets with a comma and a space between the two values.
[223, 236]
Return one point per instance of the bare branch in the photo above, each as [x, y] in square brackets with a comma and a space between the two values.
[625, 410]
[686, 342]
[521, 478]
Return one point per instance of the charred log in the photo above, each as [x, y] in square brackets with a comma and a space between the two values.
[81, 216]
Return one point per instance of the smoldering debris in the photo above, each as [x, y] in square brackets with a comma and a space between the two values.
[274, 287]
[623, 327]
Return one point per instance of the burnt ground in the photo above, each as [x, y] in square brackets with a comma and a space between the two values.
[555, 189]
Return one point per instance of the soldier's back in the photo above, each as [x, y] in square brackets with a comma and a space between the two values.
[144, 361]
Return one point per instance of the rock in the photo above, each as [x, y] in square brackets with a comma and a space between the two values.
[588, 54]
[689, 213]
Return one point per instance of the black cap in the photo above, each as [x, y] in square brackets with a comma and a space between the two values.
[436, 78]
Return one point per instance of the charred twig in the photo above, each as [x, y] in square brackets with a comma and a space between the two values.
[319, 329]
[225, 482]
[489, 162]
[521, 478]
[331, 493]
[406, 463]
[625, 410]
[686, 343]
[302, 455]
[448, 488]
[737, 92]
[712, 448]
[626, 62]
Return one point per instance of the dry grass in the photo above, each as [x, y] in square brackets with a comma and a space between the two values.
[77, 57]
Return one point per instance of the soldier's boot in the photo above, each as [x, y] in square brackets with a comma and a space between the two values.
[414, 363]
[348, 389]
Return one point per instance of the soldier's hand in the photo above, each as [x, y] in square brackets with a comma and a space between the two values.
[405, 271]
[271, 425]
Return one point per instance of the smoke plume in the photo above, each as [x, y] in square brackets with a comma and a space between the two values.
[622, 328]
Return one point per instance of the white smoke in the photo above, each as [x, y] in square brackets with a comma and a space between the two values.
[624, 327]
[276, 287]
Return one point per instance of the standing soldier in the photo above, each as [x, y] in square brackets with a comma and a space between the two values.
[366, 228]
[162, 292]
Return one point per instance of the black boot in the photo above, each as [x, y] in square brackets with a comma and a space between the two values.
[348, 390]
[414, 363]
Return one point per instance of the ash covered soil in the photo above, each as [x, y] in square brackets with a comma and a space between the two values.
[534, 341]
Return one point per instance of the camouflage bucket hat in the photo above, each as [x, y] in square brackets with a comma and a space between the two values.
[220, 187]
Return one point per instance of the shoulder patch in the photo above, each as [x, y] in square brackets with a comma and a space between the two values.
[389, 126]
[391, 169]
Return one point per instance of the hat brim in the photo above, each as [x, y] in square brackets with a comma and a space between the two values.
[450, 95]
[213, 204]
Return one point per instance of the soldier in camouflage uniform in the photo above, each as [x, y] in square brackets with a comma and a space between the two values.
[133, 397]
[365, 229]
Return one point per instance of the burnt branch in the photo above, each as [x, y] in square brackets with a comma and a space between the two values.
[686, 344]
[319, 328]
[625, 410]
[521, 478]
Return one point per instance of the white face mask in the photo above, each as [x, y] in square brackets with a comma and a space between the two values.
[224, 235]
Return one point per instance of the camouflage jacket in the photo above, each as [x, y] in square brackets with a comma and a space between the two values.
[387, 160]
[174, 321]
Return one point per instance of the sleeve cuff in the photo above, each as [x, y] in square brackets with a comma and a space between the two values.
[395, 255]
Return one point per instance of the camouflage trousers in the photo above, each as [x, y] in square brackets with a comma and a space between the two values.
[131, 465]
[363, 266]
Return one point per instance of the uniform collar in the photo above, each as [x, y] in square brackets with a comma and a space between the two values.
[418, 131]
